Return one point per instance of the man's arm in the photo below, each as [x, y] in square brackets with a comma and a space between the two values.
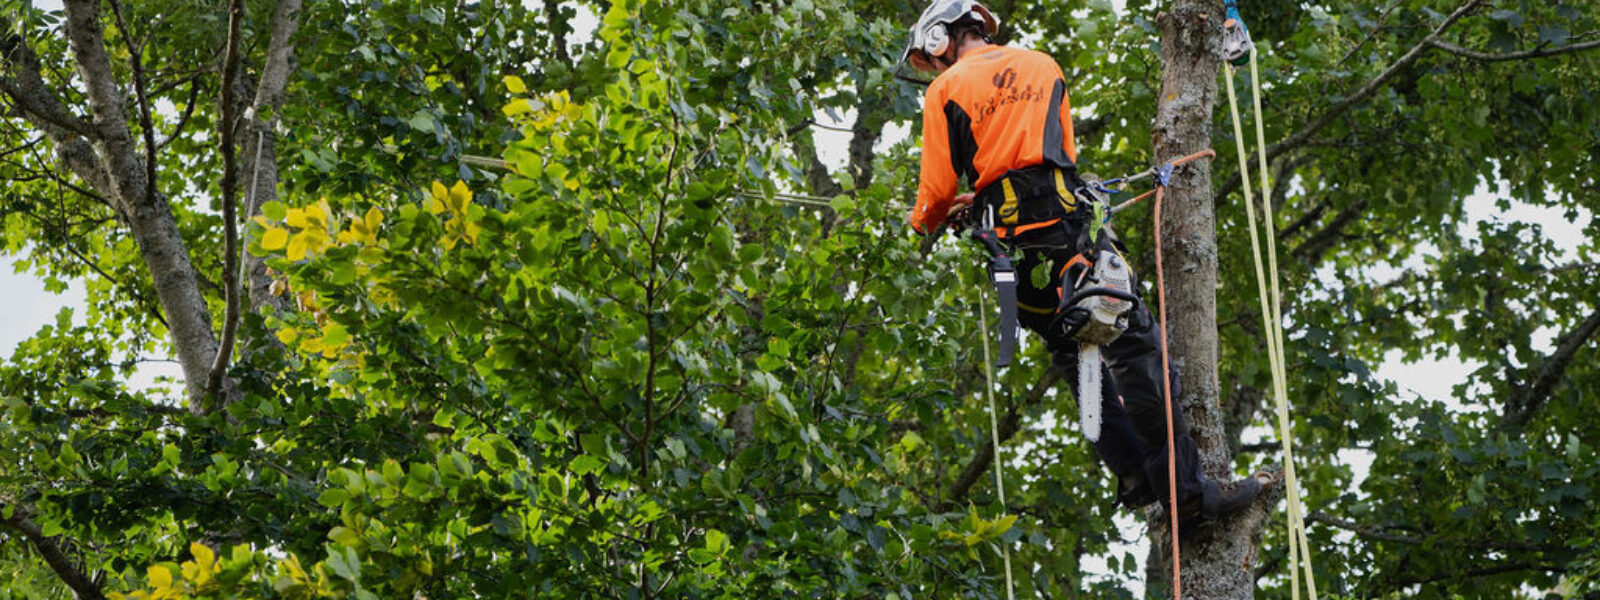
[938, 177]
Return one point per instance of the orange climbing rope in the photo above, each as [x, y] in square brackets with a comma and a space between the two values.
[1166, 390]
[1162, 174]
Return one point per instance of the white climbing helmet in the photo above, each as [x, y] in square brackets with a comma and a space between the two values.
[930, 37]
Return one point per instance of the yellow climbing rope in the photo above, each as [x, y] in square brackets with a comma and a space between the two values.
[1272, 324]
[994, 430]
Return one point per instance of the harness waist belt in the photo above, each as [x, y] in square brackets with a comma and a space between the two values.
[1029, 195]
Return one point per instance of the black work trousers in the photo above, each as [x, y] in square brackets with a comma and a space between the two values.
[1133, 436]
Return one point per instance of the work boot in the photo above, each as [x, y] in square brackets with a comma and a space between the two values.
[1220, 501]
[1133, 492]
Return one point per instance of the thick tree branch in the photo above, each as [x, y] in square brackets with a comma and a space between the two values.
[136, 62]
[1303, 136]
[26, 88]
[1530, 54]
[1527, 399]
[87, 40]
[119, 173]
[1405, 60]
[49, 548]
[819, 182]
[1009, 425]
[1386, 535]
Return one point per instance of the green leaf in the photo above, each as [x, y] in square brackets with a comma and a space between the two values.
[618, 56]
[422, 120]
[344, 564]
[586, 464]
[1511, 17]
[334, 497]
[274, 210]
[716, 541]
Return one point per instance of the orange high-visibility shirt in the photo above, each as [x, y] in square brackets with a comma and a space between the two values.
[997, 109]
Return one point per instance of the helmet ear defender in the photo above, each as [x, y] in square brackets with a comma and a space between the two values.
[930, 37]
[936, 40]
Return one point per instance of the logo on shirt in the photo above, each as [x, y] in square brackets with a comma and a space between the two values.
[1006, 92]
[1006, 78]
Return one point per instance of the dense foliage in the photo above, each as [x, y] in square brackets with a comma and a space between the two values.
[664, 350]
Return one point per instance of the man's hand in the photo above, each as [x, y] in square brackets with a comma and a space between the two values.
[960, 203]
[957, 205]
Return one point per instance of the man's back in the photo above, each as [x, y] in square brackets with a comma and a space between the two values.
[999, 109]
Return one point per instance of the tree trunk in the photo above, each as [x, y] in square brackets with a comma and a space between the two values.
[259, 144]
[149, 215]
[1215, 566]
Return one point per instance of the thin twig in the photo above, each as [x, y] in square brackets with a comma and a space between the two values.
[1491, 57]
[230, 192]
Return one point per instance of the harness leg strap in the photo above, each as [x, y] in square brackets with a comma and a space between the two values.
[1004, 277]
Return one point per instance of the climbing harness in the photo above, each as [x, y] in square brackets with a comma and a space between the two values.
[1003, 276]
[1238, 53]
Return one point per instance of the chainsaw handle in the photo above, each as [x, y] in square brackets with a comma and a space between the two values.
[1091, 292]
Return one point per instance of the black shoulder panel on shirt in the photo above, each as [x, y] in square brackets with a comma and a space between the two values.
[1053, 153]
[963, 146]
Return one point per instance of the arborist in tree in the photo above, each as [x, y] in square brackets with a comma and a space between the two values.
[999, 117]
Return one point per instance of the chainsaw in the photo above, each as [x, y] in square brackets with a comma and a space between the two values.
[1095, 312]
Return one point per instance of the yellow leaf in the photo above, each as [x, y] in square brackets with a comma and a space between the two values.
[297, 218]
[572, 184]
[275, 238]
[279, 286]
[459, 197]
[316, 240]
[373, 219]
[159, 577]
[439, 190]
[308, 241]
[516, 107]
[298, 573]
[318, 213]
[515, 84]
[203, 555]
[288, 336]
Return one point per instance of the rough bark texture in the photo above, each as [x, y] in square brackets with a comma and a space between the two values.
[149, 216]
[260, 142]
[56, 552]
[1215, 566]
